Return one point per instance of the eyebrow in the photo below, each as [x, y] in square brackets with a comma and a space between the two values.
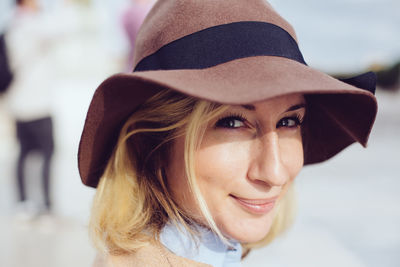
[294, 107]
[249, 107]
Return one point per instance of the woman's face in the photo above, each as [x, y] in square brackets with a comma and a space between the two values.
[246, 160]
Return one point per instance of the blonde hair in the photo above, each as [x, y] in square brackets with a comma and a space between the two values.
[132, 201]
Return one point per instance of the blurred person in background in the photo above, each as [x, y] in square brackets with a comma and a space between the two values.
[56, 51]
[132, 18]
[29, 99]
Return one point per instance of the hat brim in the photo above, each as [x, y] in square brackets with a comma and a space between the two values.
[338, 114]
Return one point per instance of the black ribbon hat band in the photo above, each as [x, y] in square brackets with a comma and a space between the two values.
[227, 42]
[223, 43]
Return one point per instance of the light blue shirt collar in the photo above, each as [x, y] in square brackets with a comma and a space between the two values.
[210, 249]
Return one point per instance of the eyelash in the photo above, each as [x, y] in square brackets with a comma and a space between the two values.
[297, 119]
[230, 118]
[221, 123]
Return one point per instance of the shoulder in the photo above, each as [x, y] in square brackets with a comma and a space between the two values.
[154, 254]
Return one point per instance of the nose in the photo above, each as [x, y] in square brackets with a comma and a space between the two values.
[266, 166]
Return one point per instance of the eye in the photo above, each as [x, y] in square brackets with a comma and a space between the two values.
[289, 122]
[231, 122]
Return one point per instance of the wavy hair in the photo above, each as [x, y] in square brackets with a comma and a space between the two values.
[132, 201]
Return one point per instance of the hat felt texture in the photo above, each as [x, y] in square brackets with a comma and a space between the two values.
[230, 52]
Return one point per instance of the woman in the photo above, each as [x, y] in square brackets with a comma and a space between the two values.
[194, 153]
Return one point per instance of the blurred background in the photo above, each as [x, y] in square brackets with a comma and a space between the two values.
[59, 51]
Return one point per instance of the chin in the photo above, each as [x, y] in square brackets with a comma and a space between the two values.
[249, 232]
[252, 237]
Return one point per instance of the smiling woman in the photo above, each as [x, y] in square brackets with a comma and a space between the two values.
[239, 188]
[194, 153]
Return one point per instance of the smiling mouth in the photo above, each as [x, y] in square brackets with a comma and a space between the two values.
[257, 206]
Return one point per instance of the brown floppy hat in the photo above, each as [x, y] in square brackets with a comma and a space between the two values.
[231, 52]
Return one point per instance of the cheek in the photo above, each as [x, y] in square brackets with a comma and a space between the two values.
[220, 164]
[217, 167]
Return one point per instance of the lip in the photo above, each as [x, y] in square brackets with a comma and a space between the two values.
[256, 206]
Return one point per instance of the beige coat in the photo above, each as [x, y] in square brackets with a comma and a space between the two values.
[152, 255]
